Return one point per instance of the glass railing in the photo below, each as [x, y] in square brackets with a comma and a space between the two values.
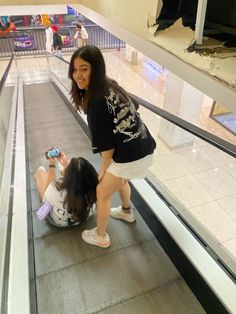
[59, 68]
[7, 122]
[4, 65]
[194, 170]
[6, 92]
[31, 41]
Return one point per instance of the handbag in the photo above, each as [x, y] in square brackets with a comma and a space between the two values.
[44, 210]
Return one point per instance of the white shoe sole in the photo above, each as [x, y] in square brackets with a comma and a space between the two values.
[127, 219]
[103, 245]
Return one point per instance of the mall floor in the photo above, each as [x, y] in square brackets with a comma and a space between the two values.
[200, 178]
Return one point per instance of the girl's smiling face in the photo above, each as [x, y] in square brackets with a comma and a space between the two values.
[82, 73]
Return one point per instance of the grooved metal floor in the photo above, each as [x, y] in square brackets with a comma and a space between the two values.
[133, 276]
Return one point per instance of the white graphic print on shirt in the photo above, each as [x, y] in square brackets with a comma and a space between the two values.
[125, 117]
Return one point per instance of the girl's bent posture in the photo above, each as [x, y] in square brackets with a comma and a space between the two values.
[118, 134]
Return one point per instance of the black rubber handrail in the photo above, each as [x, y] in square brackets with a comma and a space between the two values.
[189, 127]
[4, 77]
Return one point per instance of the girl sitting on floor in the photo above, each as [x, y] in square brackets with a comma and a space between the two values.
[73, 195]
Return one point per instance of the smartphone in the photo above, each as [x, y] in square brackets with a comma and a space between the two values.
[52, 153]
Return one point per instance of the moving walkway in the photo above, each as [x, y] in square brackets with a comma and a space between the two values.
[50, 270]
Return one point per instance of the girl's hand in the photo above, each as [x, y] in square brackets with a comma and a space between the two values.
[52, 161]
[63, 159]
[101, 175]
[106, 160]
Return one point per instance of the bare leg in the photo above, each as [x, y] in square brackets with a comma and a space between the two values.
[109, 185]
[41, 178]
[125, 194]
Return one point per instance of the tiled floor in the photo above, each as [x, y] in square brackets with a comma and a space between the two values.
[199, 177]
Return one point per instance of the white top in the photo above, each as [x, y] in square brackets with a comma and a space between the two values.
[49, 39]
[59, 213]
[81, 35]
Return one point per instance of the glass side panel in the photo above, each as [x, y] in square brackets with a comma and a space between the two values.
[4, 64]
[199, 180]
[60, 69]
[5, 110]
[6, 97]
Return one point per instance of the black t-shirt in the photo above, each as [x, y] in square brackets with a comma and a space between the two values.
[57, 42]
[115, 123]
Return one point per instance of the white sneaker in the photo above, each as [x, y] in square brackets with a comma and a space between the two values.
[91, 237]
[118, 213]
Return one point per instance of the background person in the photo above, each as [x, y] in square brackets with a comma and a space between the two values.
[57, 42]
[118, 134]
[38, 19]
[4, 22]
[73, 195]
[49, 37]
[81, 35]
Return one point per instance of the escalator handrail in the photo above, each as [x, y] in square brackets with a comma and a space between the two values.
[210, 138]
[5, 74]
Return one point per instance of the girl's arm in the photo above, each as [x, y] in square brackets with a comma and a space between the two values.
[51, 171]
[106, 160]
[63, 159]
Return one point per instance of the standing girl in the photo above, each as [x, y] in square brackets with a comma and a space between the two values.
[118, 134]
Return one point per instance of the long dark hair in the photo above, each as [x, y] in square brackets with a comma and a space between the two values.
[99, 82]
[80, 181]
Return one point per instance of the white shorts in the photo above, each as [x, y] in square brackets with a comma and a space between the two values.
[131, 170]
